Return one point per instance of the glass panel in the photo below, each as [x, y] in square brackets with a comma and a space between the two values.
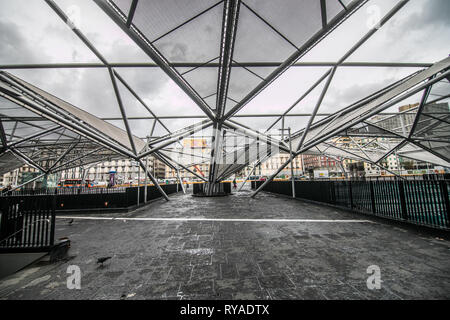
[79, 87]
[196, 41]
[241, 83]
[204, 81]
[400, 38]
[124, 5]
[297, 20]
[347, 34]
[160, 93]
[284, 91]
[257, 42]
[27, 39]
[155, 18]
[102, 32]
[351, 84]
[333, 8]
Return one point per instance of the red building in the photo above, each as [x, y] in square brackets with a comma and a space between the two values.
[319, 162]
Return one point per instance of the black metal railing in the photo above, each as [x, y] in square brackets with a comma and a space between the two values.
[223, 187]
[422, 202]
[74, 190]
[27, 223]
[97, 198]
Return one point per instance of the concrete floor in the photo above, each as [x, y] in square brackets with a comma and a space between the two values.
[191, 248]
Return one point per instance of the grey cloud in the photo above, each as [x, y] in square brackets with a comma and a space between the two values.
[174, 51]
[14, 46]
[337, 99]
[435, 12]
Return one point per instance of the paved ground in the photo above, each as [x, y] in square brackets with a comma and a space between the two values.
[190, 248]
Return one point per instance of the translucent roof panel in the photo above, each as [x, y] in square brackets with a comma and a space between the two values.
[241, 83]
[79, 87]
[348, 33]
[156, 18]
[414, 152]
[284, 91]
[351, 84]
[94, 122]
[196, 41]
[187, 39]
[103, 33]
[159, 92]
[333, 8]
[132, 106]
[26, 39]
[124, 5]
[204, 81]
[257, 42]
[412, 25]
[296, 20]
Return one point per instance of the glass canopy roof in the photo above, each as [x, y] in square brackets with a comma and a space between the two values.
[85, 81]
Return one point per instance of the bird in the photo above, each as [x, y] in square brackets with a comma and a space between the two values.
[70, 222]
[103, 259]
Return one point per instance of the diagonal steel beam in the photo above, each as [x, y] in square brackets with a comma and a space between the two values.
[229, 28]
[122, 110]
[142, 164]
[3, 137]
[76, 159]
[423, 101]
[85, 40]
[323, 12]
[190, 131]
[316, 108]
[34, 101]
[376, 163]
[29, 181]
[385, 101]
[63, 155]
[319, 81]
[80, 35]
[414, 142]
[140, 100]
[27, 159]
[182, 166]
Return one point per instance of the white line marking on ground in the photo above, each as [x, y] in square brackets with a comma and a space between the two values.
[217, 219]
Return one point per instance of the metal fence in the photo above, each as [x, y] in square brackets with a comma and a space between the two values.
[97, 198]
[74, 190]
[422, 202]
[27, 223]
[223, 187]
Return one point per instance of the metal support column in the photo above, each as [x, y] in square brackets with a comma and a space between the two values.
[292, 163]
[153, 180]
[181, 181]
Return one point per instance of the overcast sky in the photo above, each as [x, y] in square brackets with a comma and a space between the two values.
[30, 32]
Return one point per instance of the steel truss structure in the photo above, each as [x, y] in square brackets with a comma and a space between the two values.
[51, 134]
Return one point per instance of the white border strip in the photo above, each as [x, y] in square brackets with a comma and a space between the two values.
[216, 219]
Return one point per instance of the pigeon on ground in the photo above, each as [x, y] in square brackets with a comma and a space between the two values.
[103, 259]
[70, 222]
